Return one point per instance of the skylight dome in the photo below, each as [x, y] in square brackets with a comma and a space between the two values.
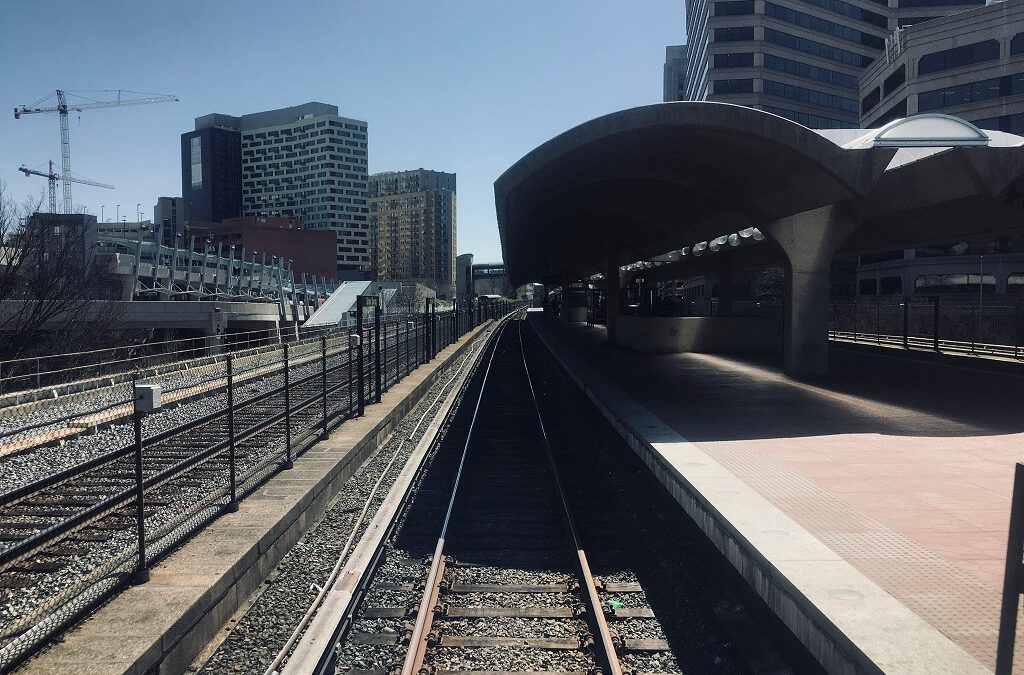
[930, 130]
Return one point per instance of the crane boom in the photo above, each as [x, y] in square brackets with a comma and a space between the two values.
[22, 110]
[52, 178]
[62, 108]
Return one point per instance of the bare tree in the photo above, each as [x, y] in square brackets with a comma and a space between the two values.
[49, 280]
[408, 299]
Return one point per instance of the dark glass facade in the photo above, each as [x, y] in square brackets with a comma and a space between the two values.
[733, 86]
[820, 25]
[211, 174]
[784, 65]
[734, 60]
[971, 92]
[816, 48]
[958, 57]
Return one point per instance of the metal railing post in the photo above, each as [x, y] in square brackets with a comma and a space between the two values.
[360, 300]
[232, 505]
[855, 316]
[1012, 577]
[409, 328]
[287, 413]
[376, 351]
[323, 382]
[142, 572]
[906, 322]
[351, 401]
[878, 322]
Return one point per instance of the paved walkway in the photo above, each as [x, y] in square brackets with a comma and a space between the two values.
[902, 468]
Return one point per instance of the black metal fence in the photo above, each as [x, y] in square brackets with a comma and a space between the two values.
[934, 323]
[327, 381]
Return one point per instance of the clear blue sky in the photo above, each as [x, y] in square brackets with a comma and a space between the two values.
[468, 86]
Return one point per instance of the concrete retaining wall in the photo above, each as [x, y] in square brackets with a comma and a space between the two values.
[716, 334]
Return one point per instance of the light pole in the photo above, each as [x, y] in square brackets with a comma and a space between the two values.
[102, 209]
[117, 214]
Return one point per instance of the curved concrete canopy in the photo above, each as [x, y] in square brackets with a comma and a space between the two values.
[646, 180]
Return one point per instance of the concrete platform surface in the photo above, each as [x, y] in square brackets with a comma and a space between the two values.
[881, 492]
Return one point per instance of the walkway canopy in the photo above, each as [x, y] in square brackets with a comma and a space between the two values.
[640, 183]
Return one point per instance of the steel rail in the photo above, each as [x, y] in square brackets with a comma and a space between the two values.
[421, 637]
[420, 633]
[332, 577]
[599, 622]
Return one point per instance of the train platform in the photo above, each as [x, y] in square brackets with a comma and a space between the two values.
[868, 508]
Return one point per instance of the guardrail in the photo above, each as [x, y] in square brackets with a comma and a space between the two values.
[947, 325]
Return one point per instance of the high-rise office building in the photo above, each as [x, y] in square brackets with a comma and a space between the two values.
[303, 162]
[675, 73]
[970, 65]
[413, 223]
[800, 59]
[169, 212]
[211, 169]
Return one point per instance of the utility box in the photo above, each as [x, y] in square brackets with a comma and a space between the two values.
[147, 398]
[353, 341]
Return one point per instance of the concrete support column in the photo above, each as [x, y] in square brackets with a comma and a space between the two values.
[216, 333]
[612, 292]
[809, 240]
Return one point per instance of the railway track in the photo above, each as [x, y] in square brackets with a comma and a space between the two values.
[69, 539]
[507, 585]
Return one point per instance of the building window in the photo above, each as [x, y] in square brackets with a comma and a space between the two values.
[867, 287]
[822, 26]
[196, 162]
[1015, 284]
[898, 77]
[852, 11]
[810, 96]
[938, 3]
[733, 86]
[935, 284]
[1013, 124]
[734, 34]
[971, 92]
[734, 60]
[958, 56]
[784, 65]
[734, 8]
[897, 111]
[869, 102]
[816, 48]
[810, 121]
[890, 285]
[1017, 44]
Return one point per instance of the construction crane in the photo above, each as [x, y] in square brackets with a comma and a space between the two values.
[52, 178]
[63, 108]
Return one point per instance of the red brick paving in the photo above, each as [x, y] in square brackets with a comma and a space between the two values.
[904, 468]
